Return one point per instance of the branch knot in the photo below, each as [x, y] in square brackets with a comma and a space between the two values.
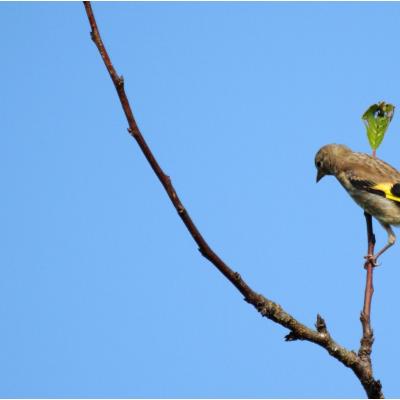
[320, 325]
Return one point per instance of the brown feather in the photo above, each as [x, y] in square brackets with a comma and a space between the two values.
[362, 166]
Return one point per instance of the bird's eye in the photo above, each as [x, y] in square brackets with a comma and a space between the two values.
[319, 164]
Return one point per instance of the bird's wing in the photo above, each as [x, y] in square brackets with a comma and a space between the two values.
[389, 190]
[374, 176]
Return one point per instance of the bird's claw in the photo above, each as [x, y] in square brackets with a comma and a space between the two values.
[371, 259]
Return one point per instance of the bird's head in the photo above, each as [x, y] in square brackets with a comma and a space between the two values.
[328, 157]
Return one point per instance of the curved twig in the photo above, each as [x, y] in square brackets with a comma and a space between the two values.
[265, 307]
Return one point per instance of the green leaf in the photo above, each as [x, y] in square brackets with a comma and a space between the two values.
[377, 119]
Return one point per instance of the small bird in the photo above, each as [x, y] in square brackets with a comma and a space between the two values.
[372, 183]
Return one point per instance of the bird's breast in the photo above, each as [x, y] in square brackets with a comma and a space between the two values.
[384, 210]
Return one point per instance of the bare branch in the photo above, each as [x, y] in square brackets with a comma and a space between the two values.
[374, 388]
[265, 307]
[367, 339]
[368, 336]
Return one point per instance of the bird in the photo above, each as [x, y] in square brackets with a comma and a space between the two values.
[372, 183]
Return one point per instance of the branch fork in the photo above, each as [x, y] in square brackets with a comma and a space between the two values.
[360, 363]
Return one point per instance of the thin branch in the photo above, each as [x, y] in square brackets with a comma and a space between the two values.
[368, 336]
[265, 307]
[367, 339]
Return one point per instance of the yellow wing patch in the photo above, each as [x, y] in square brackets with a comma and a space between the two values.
[387, 189]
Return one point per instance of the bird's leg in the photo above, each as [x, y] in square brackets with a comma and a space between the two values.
[391, 240]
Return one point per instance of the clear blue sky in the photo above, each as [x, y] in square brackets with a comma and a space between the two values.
[102, 291]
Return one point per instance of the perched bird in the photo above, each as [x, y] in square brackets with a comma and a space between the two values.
[372, 183]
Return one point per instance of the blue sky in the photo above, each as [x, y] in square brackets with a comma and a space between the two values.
[102, 291]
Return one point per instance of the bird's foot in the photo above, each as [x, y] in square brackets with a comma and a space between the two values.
[371, 259]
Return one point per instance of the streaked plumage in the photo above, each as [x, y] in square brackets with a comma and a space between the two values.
[372, 183]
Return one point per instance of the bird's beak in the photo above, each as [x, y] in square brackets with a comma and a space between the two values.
[320, 175]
